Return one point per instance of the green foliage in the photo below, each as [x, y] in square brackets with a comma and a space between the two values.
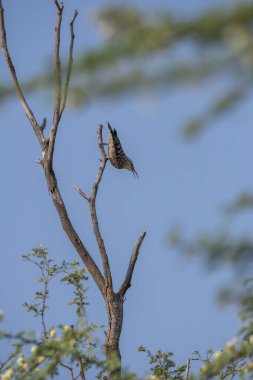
[76, 276]
[162, 366]
[234, 360]
[69, 347]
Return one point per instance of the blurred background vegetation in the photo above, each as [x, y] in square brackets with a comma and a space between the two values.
[143, 50]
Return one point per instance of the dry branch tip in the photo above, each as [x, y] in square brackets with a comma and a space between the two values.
[44, 124]
[128, 278]
[60, 7]
[39, 161]
[74, 17]
[81, 192]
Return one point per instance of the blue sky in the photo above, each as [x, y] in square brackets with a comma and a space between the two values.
[171, 304]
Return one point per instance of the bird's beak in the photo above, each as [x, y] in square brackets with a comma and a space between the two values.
[135, 174]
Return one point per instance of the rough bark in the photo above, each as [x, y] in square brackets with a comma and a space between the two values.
[115, 309]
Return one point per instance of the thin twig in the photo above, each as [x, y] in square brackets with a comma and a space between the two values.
[69, 368]
[44, 306]
[82, 193]
[187, 369]
[18, 88]
[103, 162]
[57, 62]
[70, 64]
[20, 338]
[127, 282]
[9, 358]
[57, 95]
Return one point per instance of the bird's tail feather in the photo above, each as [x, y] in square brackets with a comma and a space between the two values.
[113, 131]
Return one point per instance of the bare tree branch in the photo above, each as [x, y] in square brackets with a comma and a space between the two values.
[127, 282]
[70, 64]
[69, 229]
[21, 96]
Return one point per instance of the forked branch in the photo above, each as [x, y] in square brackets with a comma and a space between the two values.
[57, 92]
[93, 213]
[59, 106]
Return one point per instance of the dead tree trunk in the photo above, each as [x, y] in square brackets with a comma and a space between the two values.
[113, 300]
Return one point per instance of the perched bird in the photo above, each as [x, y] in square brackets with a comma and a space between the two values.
[116, 153]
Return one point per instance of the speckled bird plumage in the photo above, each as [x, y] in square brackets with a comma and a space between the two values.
[116, 154]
